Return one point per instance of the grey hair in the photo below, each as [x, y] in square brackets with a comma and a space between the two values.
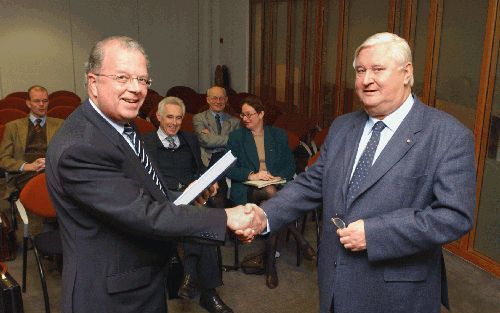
[171, 100]
[398, 48]
[210, 89]
[96, 56]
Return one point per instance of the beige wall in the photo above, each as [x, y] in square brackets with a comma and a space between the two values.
[47, 41]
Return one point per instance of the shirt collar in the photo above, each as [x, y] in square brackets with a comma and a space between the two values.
[34, 118]
[221, 114]
[163, 136]
[119, 128]
[393, 120]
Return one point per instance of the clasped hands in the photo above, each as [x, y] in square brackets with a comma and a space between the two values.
[246, 221]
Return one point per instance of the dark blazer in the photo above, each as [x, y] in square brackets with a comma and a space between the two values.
[419, 194]
[152, 143]
[279, 158]
[113, 219]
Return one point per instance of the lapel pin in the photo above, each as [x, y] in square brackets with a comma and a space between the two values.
[408, 141]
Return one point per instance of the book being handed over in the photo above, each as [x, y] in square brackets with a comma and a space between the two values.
[264, 183]
[213, 174]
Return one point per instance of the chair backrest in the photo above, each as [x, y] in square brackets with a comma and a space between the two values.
[144, 126]
[150, 103]
[178, 91]
[64, 93]
[312, 160]
[14, 103]
[187, 122]
[293, 140]
[35, 197]
[63, 101]
[18, 94]
[61, 112]
[2, 128]
[7, 115]
[302, 125]
[320, 136]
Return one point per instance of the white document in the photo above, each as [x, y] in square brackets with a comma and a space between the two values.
[208, 178]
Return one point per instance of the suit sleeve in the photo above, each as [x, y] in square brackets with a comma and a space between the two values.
[240, 171]
[210, 140]
[298, 196]
[448, 216]
[98, 183]
[7, 160]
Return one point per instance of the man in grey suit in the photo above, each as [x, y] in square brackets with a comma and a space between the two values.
[394, 203]
[212, 127]
[114, 211]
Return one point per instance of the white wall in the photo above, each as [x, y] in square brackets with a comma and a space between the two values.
[48, 41]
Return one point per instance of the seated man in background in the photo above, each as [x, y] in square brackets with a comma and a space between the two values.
[177, 155]
[25, 141]
[212, 127]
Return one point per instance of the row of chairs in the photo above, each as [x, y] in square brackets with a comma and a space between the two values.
[7, 115]
[24, 95]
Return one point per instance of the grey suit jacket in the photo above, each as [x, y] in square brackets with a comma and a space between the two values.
[114, 220]
[212, 140]
[419, 194]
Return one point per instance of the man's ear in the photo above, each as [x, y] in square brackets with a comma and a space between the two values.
[158, 116]
[408, 68]
[92, 85]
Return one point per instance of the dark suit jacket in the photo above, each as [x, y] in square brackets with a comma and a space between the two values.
[419, 194]
[113, 219]
[279, 158]
[152, 143]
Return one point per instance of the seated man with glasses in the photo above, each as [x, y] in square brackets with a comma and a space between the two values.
[23, 146]
[212, 127]
[177, 155]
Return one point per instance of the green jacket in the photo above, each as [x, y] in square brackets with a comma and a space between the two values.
[279, 158]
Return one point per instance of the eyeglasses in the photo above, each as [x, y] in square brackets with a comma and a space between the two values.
[215, 98]
[247, 115]
[123, 79]
[338, 222]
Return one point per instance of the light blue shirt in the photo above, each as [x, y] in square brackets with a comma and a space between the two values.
[34, 118]
[163, 138]
[391, 121]
[221, 114]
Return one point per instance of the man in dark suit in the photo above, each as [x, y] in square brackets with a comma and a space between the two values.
[177, 155]
[115, 212]
[410, 191]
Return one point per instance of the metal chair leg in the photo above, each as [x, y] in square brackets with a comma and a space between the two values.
[42, 279]
[25, 261]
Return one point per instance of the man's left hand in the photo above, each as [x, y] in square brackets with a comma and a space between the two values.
[353, 236]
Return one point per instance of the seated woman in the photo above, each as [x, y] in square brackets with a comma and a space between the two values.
[263, 154]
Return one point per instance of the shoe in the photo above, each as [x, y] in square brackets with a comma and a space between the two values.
[272, 279]
[308, 252]
[188, 288]
[214, 304]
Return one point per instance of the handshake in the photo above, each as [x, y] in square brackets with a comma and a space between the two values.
[246, 221]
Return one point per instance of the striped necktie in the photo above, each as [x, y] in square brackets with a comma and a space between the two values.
[219, 125]
[141, 153]
[365, 161]
[171, 142]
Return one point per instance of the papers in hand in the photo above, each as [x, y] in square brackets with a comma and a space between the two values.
[208, 178]
[264, 183]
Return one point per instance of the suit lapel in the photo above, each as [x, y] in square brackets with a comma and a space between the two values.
[401, 142]
[192, 147]
[121, 144]
[23, 133]
[351, 147]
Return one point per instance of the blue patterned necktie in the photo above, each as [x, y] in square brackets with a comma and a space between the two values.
[141, 153]
[219, 125]
[365, 161]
